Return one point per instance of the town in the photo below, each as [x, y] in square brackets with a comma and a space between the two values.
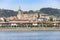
[30, 20]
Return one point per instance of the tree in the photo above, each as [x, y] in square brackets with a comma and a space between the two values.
[31, 11]
[51, 19]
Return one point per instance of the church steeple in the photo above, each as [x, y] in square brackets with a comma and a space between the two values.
[20, 12]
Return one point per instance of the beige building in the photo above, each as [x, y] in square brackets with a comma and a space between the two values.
[30, 17]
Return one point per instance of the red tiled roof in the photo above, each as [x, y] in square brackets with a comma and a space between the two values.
[21, 22]
[18, 21]
[2, 22]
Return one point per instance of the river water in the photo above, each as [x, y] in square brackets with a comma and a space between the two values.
[29, 35]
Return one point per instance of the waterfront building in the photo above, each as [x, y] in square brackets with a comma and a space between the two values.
[43, 17]
[29, 16]
[27, 19]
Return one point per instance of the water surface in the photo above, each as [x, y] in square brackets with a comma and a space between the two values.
[29, 35]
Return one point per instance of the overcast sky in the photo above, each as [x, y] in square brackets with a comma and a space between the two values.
[29, 4]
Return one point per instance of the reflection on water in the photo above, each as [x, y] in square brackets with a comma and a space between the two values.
[29, 35]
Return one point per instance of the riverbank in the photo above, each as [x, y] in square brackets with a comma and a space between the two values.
[28, 28]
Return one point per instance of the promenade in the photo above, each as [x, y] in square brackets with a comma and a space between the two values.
[27, 28]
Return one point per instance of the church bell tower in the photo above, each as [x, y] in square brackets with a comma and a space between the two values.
[19, 15]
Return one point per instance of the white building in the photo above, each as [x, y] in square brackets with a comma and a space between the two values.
[43, 17]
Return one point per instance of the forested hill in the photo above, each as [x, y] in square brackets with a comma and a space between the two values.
[51, 11]
[7, 13]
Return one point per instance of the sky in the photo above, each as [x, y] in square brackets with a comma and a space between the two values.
[26, 5]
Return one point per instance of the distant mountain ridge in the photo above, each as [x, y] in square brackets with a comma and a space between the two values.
[7, 13]
[50, 11]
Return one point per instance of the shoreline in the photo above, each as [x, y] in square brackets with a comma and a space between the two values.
[28, 29]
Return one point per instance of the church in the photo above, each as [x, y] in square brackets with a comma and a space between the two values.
[22, 16]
